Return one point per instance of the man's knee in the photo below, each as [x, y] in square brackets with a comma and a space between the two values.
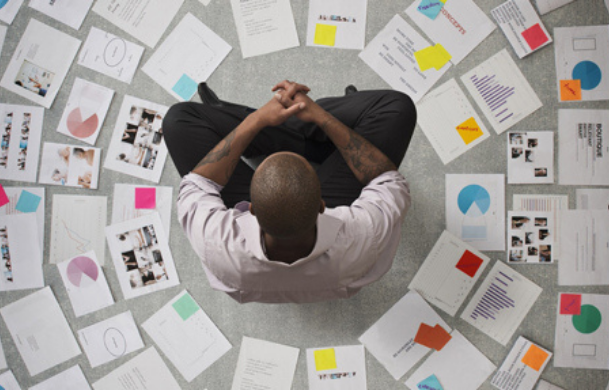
[176, 115]
[401, 103]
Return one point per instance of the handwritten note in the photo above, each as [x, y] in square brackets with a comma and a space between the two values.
[28, 202]
[325, 359]
[571, 304]
[570, 90]
[535, 357]
[3, 197]
[430, 383]
[432, 337]
[431, 8]
[469, 131]
[145, 198]
[325, 34]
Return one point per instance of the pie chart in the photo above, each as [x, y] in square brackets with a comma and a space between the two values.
[589, 73]
[80, 128]
[2, 4]
[474, 200]
[82, 271]
[589, 320]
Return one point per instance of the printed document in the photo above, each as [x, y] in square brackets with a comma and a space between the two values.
[592, 199]
[70, 379]
[522, 367]
[337, 368]
[391, 55]
[3, 364]
[9, 10]
[501, 303]
[584, 248]
[8, 381]
[337, 24]
[21, 263]
[459, 365]
[265, 365]
[583, 147]
[144, 20]
[460, 27]
[545, 6]
[501, 91]
[132, 201]
[449, 273]
[449, 121]
[530, 157]
[543, 385]
[70, 12]
[264, 26]
[187, 336]
[391, 339]
[188, 56]
[522, 26]
[40, 331]
[40, 63]
[69, 165]
[25, 200]
[3, 30]
[21, 130]
[532, 237]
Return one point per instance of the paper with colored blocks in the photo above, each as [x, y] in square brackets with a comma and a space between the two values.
[325, 359]
[325, 34]
[430, 8]
[570, 304]
[570, 90]
[145, 198]
[430, 383]
[469, 131]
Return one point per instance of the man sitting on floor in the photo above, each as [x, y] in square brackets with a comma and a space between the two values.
[309, 234]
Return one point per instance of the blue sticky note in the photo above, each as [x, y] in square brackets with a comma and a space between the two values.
[430, 8]
[185, 87]
[28, 202]
[431, 383]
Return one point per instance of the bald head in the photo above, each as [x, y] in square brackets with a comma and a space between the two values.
[286, 195]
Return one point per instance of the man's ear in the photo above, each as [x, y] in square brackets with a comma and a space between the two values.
[322, 207]
[251, 207]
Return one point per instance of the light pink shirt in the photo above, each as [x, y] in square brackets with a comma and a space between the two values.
[355, 244]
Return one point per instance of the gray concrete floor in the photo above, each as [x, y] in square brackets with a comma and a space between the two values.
[327, 72]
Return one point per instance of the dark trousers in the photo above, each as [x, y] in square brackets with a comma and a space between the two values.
[385, 118]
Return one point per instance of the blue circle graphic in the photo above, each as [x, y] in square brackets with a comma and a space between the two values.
[589, 73]
[474, 194]
[2, 4]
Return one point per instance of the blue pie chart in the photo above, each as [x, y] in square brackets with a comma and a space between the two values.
[589, 73]
[2, 4]
[474, 195]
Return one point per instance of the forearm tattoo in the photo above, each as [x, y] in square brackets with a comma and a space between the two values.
[221, 151]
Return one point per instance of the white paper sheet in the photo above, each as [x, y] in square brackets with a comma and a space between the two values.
[344, 22]
[580, 340]
[502, 301]
[30, 196]
[589, 199]
[8, 381]
[77, 226]
[145, 20]
[391, 339]
[9, 11]
[530, 157]
[531, 237]
[147, 371]
[522, 367]
[85, 283]
[40, 331]
[264, 365]
[85, 111]
[459, 365]
[69, 165]
[582, 53]
[123, 204]
[3, 364]
[584, 248]
[264, 26]
[522, 26]
[583, 147]
[188, 56]
[349, 372]
[110, 55]
[391, 55]
[460, 27]
[21, 130]
[110, 339]
[40, 63]
[3, 30]
[449, 272]
[187, 336]
[70, 12]
[543, 385]
[70, 379]
[545, 6]
[445, 116]
[21, 262]
[141, 256]
[501, 91]
[475, 210]
[137, 147]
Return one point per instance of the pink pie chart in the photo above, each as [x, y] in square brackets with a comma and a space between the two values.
[80, 128]
[82, 271]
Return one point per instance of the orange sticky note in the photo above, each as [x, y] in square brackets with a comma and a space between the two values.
[535, 357]
[570, 90]
[325, 359]
[469, 130]
[432, 337]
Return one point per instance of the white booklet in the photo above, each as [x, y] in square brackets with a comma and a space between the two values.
[532, 237]
[337, 368]
[530, 156]
[70, 379]
[337, 24]
[21, 262]
[70, 12]
[9, 10]
[522, 367]
[132, 201]
[8, 381]
[21, 131]
[187, 336]
[70, 165]
[40, 63]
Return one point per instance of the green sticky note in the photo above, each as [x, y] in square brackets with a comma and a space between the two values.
[185, 306]
[325, 34]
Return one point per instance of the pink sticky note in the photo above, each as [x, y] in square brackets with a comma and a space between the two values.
[3, 197]
[535, 36]
[145, 198]
[571, 304]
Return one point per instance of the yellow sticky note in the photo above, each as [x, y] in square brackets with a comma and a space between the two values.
[440, 56]
[325, 34]
[469, 130]
[424, 58]
[535, 357]
[325, 359]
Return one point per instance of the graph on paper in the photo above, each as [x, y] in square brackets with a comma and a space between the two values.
[501, 91]
[501, 303]
[77, 226]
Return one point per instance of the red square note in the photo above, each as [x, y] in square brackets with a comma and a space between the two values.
[3, 197]
[535, 36]
[571, 304]
[434, 338]
[145, 198]
[469, 263]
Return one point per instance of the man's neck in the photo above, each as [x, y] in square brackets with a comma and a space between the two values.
[288, 250]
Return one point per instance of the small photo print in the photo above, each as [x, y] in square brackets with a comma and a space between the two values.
[543, 234]
[532, 251]
[529, 238]
[517, 152]
[143, 259]
[532, 142]
[541, 222]
[141, 138]
[529, 156]
[541, 172]
[18, 131]
[516, 241]
[337, 18]
[515, 138]
[545, 253]
[516, 255]
[34, 78]
[519, 222]
[69, 165]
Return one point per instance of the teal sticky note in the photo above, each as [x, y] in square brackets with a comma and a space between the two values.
[185, 306]
[430, 383]
[28, 202]
[430, 8]
[185, 87]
